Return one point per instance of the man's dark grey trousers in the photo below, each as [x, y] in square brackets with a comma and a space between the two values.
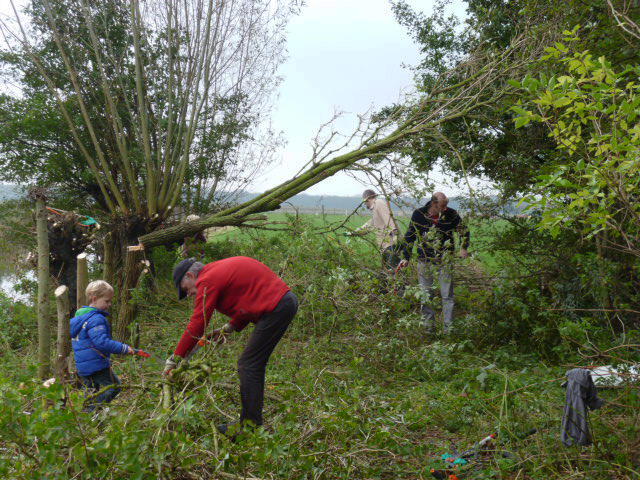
[252, 364]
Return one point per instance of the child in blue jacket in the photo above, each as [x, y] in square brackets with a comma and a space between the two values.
[93, 345]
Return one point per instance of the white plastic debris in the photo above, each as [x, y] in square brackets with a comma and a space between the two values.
[608, 376]
[48, 383]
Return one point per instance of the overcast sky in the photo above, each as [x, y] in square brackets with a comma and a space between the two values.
[344, 55]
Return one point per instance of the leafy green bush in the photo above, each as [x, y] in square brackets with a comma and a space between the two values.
[16, 324]
[540, 285]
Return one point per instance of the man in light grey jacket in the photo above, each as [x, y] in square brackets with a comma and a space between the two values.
[384, 226]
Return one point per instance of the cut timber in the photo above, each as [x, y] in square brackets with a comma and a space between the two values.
[271, 199]
[64, 337]
[167, 394]
[44, 329]
[82, 280]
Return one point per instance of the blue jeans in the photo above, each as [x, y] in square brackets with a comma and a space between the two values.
[97, 382]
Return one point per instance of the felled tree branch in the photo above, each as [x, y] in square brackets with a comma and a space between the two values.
[485, 84]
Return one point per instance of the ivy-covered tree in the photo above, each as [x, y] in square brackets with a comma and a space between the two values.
[591, 111]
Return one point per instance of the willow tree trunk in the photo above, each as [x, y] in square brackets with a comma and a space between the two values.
[64, 337]
[134, 305]
[108, 260]
[67, 239]
[68, 277]
[44, 328]
[133, 267]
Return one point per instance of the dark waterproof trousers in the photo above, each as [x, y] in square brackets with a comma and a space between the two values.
[252, 364]
[96, 382]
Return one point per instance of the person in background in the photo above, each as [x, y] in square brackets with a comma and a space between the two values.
[92, 346]
[433, 226]
[384, 226]
[245, 290]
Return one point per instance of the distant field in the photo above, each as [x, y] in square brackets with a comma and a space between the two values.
[482, 232]
[286, 221]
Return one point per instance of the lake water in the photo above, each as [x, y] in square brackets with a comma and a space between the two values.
[7, 284]
[8, 280]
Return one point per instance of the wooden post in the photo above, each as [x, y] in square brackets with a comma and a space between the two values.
[64, 337]
[44, 328]
[82, 280]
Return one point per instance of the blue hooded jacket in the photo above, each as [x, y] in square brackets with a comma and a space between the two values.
[92, 342]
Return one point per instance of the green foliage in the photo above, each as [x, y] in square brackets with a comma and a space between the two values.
[38, 425]
[354, 390]
[16, 324]
[489, 144]
[591, 110]
[545, 290]
[16, 234]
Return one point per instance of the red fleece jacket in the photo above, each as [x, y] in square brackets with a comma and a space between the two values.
[240, 287]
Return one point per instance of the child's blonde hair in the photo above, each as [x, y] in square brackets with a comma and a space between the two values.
[98, 289]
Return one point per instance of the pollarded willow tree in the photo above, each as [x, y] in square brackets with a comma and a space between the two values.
[128, 101]
[150, 82]
[144, 86]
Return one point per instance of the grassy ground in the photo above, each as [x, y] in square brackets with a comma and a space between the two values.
[482, 231]
[355, 390]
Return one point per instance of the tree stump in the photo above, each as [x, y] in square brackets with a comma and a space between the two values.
[82, 280]
[64, 337]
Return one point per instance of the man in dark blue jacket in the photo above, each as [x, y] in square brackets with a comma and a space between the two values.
[93, 345]
[433, 226]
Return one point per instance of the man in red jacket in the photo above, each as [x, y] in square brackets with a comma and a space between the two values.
[245, 290]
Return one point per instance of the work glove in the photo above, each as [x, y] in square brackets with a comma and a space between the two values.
[169, 365]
